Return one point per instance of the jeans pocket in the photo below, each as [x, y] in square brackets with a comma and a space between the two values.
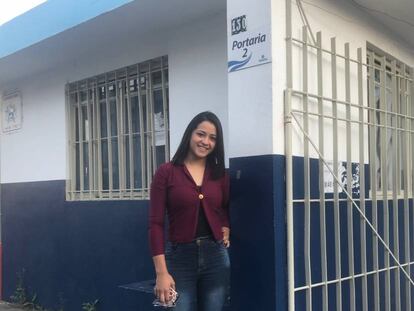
[220, 244]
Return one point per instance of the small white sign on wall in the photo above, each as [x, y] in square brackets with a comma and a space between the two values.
[12, 112]
[249, 42]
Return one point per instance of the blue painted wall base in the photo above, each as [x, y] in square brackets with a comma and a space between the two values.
[72, 252]
[76, 252]
[258, 233]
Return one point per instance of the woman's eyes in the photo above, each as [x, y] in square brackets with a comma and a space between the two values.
[201, 134]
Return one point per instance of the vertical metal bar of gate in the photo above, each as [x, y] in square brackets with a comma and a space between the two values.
[384, 180]
[349, 179]
[322, 210]
[337, 223]
[288, 151]
[410, 102]
[362, 182]
[388, 125]
[373, 177]
[395, 180]
[306, 174]
[406, 164]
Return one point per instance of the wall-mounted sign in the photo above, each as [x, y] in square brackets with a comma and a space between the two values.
[12, 112]
[249, 43]
[329, 180]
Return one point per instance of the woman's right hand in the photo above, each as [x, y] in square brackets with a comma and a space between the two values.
[163, 286]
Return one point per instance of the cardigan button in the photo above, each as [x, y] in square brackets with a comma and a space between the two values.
[201, 196]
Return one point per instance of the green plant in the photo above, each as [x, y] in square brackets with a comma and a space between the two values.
[90, 306]
[19, 296]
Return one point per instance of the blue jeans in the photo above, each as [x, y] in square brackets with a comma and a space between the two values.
[201, 271]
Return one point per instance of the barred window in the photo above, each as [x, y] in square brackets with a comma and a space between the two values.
[118, 131]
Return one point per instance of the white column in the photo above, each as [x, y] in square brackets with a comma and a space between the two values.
[250, 110]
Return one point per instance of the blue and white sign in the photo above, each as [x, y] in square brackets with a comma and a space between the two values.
[248, 44]
[12, 112]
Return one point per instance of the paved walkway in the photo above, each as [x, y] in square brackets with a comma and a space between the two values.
[4, 306]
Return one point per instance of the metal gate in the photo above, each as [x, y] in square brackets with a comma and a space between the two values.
[349, 138]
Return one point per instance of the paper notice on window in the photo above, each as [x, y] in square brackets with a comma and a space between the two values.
[159, 129]
[328, 178]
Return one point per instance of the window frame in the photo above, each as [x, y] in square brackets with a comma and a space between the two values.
[400, 80]
[106, 115]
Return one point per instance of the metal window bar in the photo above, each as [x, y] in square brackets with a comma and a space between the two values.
[80, 143]
[151, 130]
[142, 126]
[94, 164]
[70, 130]
[165, 108]
[98, 140]
[384, 123]
[120, 130]
[108, 138]
[337, 222]
[81, 108]
[129, 134]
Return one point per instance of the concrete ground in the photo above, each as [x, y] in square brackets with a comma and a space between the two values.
[4, 306]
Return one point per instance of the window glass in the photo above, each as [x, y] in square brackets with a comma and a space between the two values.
[387, 89]
[119, 131]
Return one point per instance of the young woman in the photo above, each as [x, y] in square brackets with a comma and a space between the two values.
[193, 191]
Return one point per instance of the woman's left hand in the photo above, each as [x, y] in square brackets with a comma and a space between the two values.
[226, 236]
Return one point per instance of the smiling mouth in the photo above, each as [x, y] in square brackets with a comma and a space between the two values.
[203, 148]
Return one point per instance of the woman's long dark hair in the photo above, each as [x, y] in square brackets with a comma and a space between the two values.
[215, 160]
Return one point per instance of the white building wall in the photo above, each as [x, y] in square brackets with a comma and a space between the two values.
[249, 102]
[198, 82]
[198, 74]
[347, 23]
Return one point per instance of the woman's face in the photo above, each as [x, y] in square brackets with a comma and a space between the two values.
[203, 140]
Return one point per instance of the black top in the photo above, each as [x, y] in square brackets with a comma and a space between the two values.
[203, 227]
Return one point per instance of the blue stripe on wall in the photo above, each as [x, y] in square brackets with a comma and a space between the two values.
[258, 233]
[73, 252]
[81, 251]
[48, 19]
[315, 256]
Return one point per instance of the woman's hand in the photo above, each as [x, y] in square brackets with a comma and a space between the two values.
[163, 286]
[226, 236]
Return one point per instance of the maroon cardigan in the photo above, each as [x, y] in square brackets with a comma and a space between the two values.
[173, 191]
